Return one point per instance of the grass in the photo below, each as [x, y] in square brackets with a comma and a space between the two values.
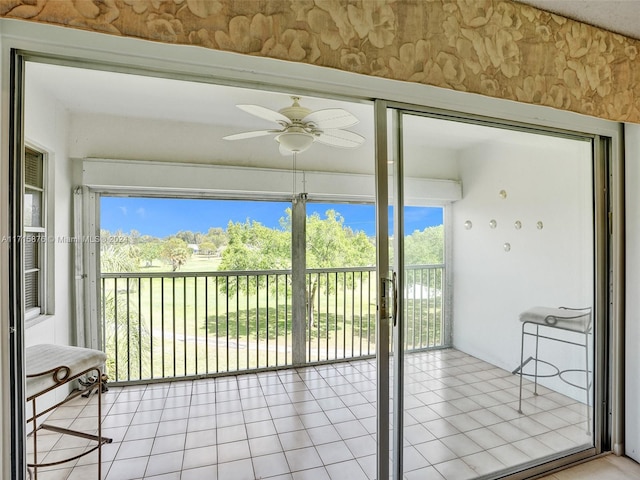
[174, 327]
[195, 263]
[196, 328]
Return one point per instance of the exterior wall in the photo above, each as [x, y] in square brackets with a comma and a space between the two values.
[497, 48]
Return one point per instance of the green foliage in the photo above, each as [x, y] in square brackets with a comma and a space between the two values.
[150, 250]
[252, 246]
[425, 247]
[189, 237]
[207, 248]
[331, 244]
[124, 330]
[216, 236]
[118, 257]
[176, 252]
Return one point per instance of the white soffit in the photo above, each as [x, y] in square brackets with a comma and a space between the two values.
[231, 182]
[620, 16]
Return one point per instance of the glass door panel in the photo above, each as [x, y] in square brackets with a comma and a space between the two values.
[493, 249]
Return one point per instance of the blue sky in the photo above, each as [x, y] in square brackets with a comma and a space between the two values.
[161, 217]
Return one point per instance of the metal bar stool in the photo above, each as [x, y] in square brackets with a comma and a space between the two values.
[51, 366]
[577, 320]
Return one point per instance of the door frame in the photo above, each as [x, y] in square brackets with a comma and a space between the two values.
[607, 188]
[76, 47]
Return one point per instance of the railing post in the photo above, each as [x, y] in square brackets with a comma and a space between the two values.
[299, 278]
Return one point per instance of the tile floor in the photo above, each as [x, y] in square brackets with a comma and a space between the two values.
[318, 423]
[609, 467]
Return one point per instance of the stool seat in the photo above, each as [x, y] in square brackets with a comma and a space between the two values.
[563, 318]
[50, 365]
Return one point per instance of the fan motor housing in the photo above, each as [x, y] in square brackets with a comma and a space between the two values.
[295, 112]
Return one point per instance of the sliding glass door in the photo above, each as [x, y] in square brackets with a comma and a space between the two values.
[490, 267]
[492, 245]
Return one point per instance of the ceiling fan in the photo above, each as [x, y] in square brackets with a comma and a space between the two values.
[300, 127]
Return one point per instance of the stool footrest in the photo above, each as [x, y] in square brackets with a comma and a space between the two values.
[75, 433]
[60, 462]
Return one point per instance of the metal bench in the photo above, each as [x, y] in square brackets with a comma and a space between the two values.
[544, 320]
[49, 367]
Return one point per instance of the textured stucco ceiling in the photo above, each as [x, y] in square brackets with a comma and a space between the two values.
[620, 16]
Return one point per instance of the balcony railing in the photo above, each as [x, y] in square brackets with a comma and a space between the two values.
[181, 325]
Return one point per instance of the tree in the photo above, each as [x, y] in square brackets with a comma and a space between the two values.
[117, 257]
[121, 316]
[176, 252]
[189, 237]
[425, 247]
[150, 250]
[217, 236]
[252, 246]
[207, 248]
[331, 244]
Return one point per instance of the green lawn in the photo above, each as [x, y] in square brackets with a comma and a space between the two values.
[173, 327]
[195, 263]
[198, 328]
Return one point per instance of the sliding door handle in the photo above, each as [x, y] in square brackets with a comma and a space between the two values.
[394, 286]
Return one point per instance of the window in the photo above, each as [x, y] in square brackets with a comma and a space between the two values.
[35, 233]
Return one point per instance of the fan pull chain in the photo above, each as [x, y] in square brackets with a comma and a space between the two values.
[295, 160]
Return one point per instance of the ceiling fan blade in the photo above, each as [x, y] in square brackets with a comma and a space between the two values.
[265, 113]
[255, 133]
[340, 138]
[331, 118]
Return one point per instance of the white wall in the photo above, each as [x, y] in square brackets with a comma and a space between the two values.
[546, 179]
[632, 313]
[46, 126]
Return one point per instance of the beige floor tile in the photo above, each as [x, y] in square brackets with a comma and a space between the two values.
[605, 468]
[461, 421]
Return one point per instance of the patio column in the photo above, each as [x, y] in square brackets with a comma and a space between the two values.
[298, 278]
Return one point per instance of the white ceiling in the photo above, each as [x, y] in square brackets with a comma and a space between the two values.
[620, 16]
[124, 97]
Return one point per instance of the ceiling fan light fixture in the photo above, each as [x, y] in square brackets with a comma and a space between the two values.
[299, 127]
[295, 141]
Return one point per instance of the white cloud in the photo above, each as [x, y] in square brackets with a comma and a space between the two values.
[123, 210]
[141, 212]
